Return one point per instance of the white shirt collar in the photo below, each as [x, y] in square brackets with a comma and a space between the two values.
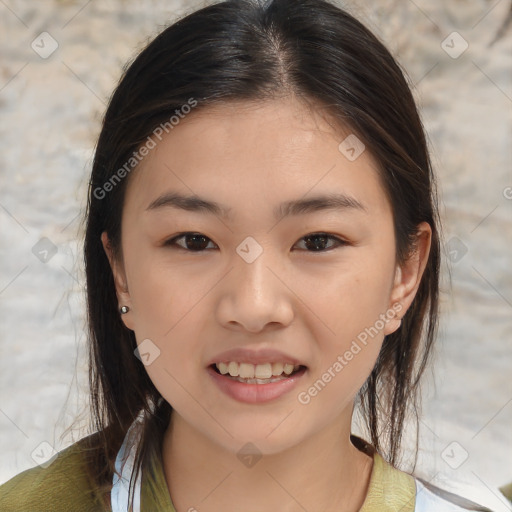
[124, 466]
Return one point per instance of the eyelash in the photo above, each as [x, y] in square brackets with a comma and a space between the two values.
[172, 242]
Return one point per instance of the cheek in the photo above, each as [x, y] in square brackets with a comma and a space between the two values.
[352, 300]
[164, 305]
[164, 300]
[346, 356]
[162, 294]
[354, 309]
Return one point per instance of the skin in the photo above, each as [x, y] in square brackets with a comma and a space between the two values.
[310, 304]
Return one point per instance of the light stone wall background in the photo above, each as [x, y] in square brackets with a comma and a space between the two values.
[50, 112]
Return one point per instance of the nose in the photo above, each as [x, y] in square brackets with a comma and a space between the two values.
[255, 296]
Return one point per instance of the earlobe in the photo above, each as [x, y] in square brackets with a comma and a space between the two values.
[122, 292]
[408, 277]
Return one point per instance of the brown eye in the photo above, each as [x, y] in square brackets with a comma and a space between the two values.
[194, 242]
[316, 242]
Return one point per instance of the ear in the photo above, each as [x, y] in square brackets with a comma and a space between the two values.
[122, 292]
[408, 277]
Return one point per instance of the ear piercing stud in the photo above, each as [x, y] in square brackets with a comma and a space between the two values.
[124, 310]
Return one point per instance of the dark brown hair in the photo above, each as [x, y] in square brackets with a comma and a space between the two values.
[243, 50]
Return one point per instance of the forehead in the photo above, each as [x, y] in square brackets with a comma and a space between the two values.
[256, 153]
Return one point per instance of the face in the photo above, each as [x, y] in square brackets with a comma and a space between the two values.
[252, 286]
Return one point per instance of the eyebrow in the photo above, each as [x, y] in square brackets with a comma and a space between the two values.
[288, 208]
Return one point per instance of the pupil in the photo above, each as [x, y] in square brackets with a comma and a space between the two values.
[316, 247]
[196, 237]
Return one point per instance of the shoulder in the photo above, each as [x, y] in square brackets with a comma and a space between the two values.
[62, 486]
[430, 497]
[391, 490]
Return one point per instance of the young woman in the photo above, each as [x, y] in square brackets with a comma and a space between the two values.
[262, 255]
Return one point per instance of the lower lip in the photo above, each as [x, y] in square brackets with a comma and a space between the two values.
[255, 393]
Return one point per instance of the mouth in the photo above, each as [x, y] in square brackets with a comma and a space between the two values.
[260, 374]
[256, 376]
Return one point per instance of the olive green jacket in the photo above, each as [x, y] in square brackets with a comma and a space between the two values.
[65, 486]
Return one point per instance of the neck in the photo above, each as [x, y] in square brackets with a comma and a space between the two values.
[325, 472]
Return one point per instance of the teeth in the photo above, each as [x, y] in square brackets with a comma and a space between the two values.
[245, 371]
[258, 371]
[263, 371]
[233, 369]
[288, 368]
[223, 368]
[277, 368]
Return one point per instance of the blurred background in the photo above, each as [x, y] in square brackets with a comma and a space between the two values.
[59, 63]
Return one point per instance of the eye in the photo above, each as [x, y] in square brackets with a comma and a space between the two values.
[317, 242]
[194, 242]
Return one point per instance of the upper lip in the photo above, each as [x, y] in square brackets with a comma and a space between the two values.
[244, 355]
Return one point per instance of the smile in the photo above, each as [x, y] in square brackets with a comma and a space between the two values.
[245, 372]
[255, 383]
